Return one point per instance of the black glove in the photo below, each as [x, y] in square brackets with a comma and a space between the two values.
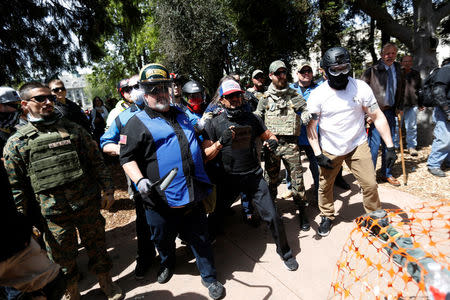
[324, 161]
[226, 138]
[272, 144]
[391, 157]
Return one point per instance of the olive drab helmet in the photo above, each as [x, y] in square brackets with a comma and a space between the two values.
[8, 95]
[154, 74]
[336, 63]
[194, 96]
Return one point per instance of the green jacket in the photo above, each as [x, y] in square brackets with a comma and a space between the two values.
[68, 197]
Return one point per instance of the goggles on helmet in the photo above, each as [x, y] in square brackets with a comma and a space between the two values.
[339, 69]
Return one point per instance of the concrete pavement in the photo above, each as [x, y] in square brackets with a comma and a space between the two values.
[246, 261]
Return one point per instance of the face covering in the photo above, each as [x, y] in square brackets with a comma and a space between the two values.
[234, 113]
[338, 82]
[195, 105]
[9, 119]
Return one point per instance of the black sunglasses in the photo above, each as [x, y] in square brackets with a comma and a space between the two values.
[128, 89]
[304, 71]
[278, 73]
[260, 76]
[43, 98]
[233, 95]
[58, 89]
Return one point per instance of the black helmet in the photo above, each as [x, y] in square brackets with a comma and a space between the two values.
[335, 56]
[8, 95]
[192, 87]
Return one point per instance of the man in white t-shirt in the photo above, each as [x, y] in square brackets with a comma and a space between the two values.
[338, 106]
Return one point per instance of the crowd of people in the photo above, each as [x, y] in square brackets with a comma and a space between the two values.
[187, 160]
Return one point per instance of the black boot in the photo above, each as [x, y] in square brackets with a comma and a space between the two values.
[304, 223]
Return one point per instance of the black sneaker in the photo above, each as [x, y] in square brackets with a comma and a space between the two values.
[215, 289]
[291, 264]
[141, 268]
[304, 223]
[164, 274]
[325, 226]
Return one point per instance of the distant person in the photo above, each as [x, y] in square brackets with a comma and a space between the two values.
[124, 88]
[386, 79]
[98, 116]
[258, 88]
[67, 108]
[440, 149]
[413, 83]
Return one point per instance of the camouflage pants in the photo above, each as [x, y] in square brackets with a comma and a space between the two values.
[289, 153]
[61, 241]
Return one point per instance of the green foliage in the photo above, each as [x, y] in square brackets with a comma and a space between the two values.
[127, 50]
[270, 30]
[38, 38]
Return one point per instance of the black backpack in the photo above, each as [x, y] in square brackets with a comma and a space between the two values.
[426, 93]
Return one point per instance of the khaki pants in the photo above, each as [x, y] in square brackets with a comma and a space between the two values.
[29, 270]
[360, 163]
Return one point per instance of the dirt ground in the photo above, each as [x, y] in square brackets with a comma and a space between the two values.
[419, 182]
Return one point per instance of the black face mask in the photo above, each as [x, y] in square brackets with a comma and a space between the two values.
[234, 113]
[9, 119]
[338, 82]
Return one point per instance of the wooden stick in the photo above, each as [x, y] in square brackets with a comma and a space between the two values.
[399, 117]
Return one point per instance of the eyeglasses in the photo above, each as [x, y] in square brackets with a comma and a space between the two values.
[278, 73]
[304, 71]
[58, 89]
[260, 76]
[157, 90]
[43, 98]
[128, 89]
[233, 95]
[339, 69]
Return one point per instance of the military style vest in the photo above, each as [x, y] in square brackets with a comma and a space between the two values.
[280, 118]
[52, 159]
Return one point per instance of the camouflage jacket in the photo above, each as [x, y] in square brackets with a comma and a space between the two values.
[68, 197]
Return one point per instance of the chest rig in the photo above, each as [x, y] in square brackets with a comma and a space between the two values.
[51, 157]
[280, 118]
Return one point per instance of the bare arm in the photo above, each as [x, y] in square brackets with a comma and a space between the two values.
[268, 135]
[112, 149]
[313, 136]
[211, 149]
[132, 170]
[380, 122]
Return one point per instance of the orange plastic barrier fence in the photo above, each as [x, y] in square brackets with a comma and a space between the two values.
[387, 258]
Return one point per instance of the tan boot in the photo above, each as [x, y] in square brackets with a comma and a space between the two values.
[72, 292]
[111, 289]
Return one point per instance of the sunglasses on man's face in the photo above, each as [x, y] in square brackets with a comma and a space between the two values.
[128, 89]
[58, 89]
[233, 95]
[304, 71]
[257, 77]
[279, 73]
[43, 98]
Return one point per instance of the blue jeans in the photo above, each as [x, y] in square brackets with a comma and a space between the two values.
[410, 121]
[375, 140]
[313, 167]
[190, 223]
[441, 144]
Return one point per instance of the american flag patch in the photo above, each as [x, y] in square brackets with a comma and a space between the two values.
[123, 139]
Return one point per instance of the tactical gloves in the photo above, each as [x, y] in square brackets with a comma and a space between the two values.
[391, 157]
[324, 161]
[226, 138]
[144, 186]
[271, 144]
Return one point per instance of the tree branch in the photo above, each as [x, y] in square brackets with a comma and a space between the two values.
[441, 12]
[385, 21]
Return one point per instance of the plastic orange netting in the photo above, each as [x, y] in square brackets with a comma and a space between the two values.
[386, 257]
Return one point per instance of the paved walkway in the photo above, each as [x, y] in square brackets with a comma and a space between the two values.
[246, 260]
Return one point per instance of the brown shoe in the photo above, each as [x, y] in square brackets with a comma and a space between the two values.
[393, 181]
[413, 152]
